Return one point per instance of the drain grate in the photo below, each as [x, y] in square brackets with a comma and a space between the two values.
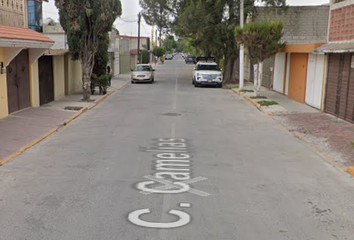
[73, 108]
[172, 114]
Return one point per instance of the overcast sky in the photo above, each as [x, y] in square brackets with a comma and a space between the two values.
[127, 24]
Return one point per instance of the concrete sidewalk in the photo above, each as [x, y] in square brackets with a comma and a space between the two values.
[329, 136]
[23, 129]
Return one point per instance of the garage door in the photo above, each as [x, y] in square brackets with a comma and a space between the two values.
[46, 83]
[340, 86]
[18, 86]
[297, 76]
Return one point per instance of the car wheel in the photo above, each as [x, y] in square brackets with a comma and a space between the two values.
[196, 85]
[132, 82]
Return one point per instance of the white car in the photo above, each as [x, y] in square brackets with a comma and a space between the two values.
[207, 74]
[143, 73]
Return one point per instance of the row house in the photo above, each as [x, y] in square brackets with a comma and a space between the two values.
[128, 46]
[298, 71]
[339, 97]
[62, 76]
[21, 45]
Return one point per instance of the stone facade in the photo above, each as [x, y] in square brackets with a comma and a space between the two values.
[12, 13]
[302, 24]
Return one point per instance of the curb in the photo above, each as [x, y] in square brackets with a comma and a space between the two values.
[350, 170]
[328, 158]
[55, 129]
[255, 103]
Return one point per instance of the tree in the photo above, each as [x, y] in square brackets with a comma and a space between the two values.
[157, 12]
[170, 44]
[262, 40]
[158, 51]
[86, 23]
[211, 24]
[101, 57]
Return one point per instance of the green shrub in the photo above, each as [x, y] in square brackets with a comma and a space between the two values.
[94, 83]
[145, 57]
[267, 103]
[103, 83]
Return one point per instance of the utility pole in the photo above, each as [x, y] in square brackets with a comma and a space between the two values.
[139, 21]
[242, 49]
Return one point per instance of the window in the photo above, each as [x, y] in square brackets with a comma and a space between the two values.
[35, 15]
[208, 67]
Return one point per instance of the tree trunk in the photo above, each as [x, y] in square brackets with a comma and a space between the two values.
[255, 76]
[230, 69]
[87, 62]
[258, 75]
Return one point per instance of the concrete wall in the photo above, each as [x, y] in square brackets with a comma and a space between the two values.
[3, 91]
[34, 84]
[125, 64]
[60, 40]
[302, 24]
[59, 76]
[74, 74]
[11, 14]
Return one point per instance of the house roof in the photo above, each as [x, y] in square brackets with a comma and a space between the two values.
[336, 47]
[18, 33]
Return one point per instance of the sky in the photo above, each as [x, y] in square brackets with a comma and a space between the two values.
[127, 23]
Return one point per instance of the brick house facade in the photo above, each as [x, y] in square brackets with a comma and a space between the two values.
[339, 98]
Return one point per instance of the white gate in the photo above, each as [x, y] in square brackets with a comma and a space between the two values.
[279, 69]
[315, 75]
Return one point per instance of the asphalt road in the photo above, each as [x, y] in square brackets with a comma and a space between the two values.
[169, 161]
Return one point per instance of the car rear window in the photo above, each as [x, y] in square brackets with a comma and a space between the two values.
[208, 67]
[142, 68]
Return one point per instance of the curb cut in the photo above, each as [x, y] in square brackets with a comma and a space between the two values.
[328, 158]
[55, 129]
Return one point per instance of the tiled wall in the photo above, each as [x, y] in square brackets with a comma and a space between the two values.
[342, 24]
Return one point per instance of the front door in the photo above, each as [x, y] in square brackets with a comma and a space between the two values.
[46, 84]
[18, 86]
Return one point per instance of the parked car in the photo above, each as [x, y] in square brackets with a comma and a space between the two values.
[207, 73]
[142, 73]
[191, 59]
[169, 57]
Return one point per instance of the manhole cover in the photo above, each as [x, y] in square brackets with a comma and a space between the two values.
[73, 108]
[172, 114]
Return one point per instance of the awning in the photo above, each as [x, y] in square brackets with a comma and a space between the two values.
[15, 39]
[18, 37]
[336, 47]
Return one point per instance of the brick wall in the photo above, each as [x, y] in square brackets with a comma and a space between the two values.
[342, 24]
[302, 24]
